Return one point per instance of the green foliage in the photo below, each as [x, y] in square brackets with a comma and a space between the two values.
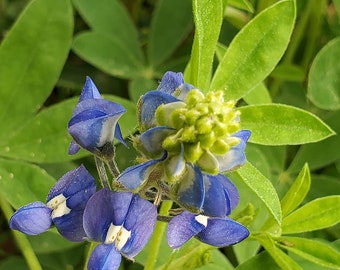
[280, 63]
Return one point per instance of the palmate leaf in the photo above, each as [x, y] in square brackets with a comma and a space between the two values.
[255, 51]
[278, 124]
[32, 56]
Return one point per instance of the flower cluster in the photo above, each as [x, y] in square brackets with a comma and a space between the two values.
[186, 140]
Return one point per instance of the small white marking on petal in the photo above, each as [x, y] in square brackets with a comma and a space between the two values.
[202, 220]
[112, 233]
[108, 131]
[122, 237]
[58, 204]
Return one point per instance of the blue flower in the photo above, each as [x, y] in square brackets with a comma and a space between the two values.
[214, 231]
[187, 139]
[94, 122]
[122, 222]
[64, 207]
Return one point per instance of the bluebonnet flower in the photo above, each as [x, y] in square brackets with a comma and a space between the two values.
[122, 222]
[94, 122]
[215, 231]
[64, 207]
[186, 138]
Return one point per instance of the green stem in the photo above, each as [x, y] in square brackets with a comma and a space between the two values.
[88, 253]
[102, 172]
[21, 239]
[156, 238]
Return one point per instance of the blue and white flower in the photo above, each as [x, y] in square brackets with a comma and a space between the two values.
[215, 231]
[64, 207]
[94, 122]
[122, 222]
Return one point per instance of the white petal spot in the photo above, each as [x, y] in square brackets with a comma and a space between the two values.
[202, 220]
[108, 131]
[58, 204]
[112, 233]
[117, 235]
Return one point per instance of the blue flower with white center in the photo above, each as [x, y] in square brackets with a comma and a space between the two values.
[122, 222]
[215, 231]
[64, 207]
[185, 136]
[94, 122]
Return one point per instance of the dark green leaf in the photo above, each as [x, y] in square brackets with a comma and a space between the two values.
[32, 56]
[172, 20]
[324, 81]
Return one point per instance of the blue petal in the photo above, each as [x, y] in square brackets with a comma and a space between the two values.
[191, 189]
[216, 200]
[148, 105]
[74, 148]
[151, 140]
[230, 189]
[170, 82]
[78, 185]
[182, 228]
[89, 91]
[102, 209]
[235, 157]
[32, 219]
[118, 135]
[104, 257]
[135, 176]
[140, 220]
[222, 232]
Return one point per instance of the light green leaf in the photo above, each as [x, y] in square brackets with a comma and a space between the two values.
[280, 257]
[315, 215]
[297, 192]
[255, 51]
[208, 21]
[241, 4]
[263, 188]
[23, 183]
[323, 80]
[320, 154]
[171, 23]
[140, 86]
[258, 95]
[109, 54]
[278, 124]
[45, 139]
[32, 56]
[315, 251]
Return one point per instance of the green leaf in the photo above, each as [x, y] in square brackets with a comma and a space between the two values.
[50, 241]
[109, 18]
[255, 51]
[109, 54]
[32, 56]
[258, 95]
[241, 4]
[312, 250]
[22, 183]
[278, 124]
[171, 23]
[263, 188]
[208, 21]
[259, 262]
[45, 139]
[288, 73]
[315, 215]
[322, 153]
[324, 81]
[281, 258]
[297, 192]
[13, 262]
